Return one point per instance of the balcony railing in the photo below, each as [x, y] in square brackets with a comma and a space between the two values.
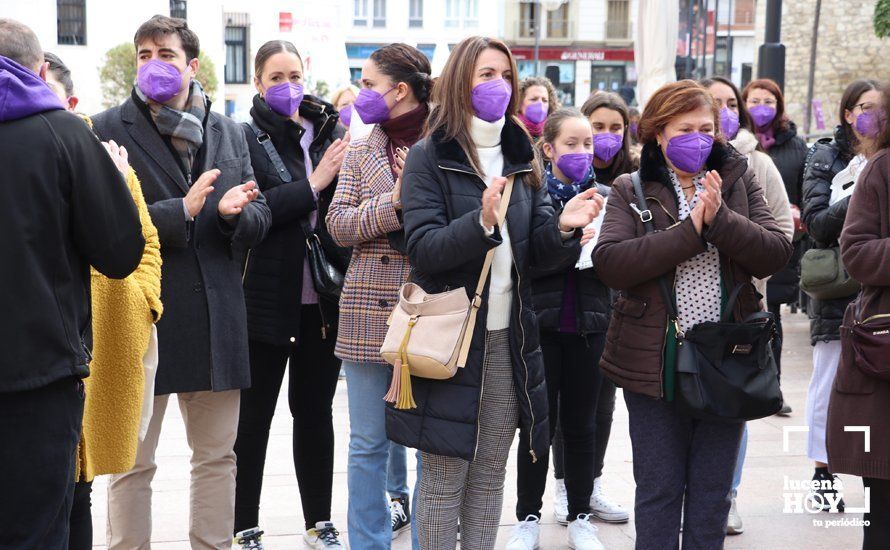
[618, 30]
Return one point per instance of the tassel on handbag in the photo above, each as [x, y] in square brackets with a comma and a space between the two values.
[429, 335]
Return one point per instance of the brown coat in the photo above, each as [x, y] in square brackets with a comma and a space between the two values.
[858, 399]
[750, 242]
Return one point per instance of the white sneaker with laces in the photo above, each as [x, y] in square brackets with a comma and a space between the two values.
[526, 534]
[604, 509]
[561, 502]
[324, 536]
[582, 534]
[734, 522]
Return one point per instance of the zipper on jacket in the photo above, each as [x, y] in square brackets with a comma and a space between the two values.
[324, 325]
[873, 317]
[246, 263]
[531, 409]
[481, 396]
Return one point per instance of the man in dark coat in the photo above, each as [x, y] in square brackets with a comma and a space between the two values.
[67, 208]
[197, 180]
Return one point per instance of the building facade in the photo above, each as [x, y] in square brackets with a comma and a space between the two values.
[584, 45]
[846, 49]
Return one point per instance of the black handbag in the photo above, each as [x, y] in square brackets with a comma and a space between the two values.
[326, 278]
[725, 371]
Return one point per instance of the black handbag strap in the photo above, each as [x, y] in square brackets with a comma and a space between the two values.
[263, 139]
[642, 210]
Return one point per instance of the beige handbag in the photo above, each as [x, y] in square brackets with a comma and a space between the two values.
[429, 335]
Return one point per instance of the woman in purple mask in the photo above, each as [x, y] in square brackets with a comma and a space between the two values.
[713, 232]
[829, 182]
[735, 125]
[777, 136]
[451, 190]
[537, 100]
[342, 100]
[572, 307]
[366, 215]
[296, 148]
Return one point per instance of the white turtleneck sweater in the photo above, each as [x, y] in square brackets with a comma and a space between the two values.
[487, 137]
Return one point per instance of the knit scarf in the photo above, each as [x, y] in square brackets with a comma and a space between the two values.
[184, 128]
[766, 137]
[534, 128]
[560, 192]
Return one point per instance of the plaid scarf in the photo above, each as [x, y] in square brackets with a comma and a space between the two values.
[184, 128]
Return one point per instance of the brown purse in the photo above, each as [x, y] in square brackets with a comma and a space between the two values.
[429, 335]
[869, 340]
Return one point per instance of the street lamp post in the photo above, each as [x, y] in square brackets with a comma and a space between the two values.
[771, 56]
[540, 7]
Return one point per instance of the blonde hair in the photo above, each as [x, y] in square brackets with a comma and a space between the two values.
[338, 93]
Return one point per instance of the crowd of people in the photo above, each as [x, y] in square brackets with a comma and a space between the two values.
[160, 248]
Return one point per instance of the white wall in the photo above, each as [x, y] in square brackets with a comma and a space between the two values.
[110, 23]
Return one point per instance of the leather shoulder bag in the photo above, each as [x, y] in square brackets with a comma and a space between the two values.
[725, 371]
[326, 278]
[429, 335]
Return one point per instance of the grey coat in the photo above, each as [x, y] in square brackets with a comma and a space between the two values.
[202, 336]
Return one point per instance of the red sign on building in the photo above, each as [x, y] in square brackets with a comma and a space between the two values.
[285, 21]
[575, 54]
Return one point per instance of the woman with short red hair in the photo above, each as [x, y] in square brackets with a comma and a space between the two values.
[713, 231]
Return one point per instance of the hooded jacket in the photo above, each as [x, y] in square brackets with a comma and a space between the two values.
[825, 222]
[72, 209]
[631, 261]
[441, 196]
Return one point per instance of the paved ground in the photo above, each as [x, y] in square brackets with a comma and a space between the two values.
[760, 500]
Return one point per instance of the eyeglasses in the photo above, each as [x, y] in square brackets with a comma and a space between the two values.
[769, 102]
[865, 107]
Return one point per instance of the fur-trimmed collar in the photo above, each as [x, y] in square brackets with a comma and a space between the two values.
[729, 163]
[515, 145]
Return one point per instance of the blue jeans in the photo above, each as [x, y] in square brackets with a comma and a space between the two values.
[740, 463]
[397, 471]
[369, 522]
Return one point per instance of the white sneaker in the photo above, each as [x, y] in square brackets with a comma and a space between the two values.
[561, 503]
[323, 536]
[526, 534]
[582, 534]
[734, 522]
[604, 509]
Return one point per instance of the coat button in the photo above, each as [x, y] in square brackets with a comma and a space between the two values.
[198, 287]
[384, 303]
[384, 260]
[292, 339]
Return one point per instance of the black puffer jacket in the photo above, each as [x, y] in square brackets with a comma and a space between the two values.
[273, 273]
[446, 244]
[827, 158]
[593, 300]
[789, 154]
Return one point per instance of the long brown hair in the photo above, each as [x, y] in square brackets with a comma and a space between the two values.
[781, 122]
[451, 97]
[848, 102]
[622, 163]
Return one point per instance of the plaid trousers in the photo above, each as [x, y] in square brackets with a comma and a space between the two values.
[452, 488]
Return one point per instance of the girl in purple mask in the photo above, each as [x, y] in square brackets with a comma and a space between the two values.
[713, 232]
[537, 100]
[572, 307]
[777, 136]
[451, 193]
[291, 327]
[736, 127]
[830, 179]
[612, 156]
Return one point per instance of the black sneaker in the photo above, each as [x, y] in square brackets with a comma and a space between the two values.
[830, 490]
[401, 515]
